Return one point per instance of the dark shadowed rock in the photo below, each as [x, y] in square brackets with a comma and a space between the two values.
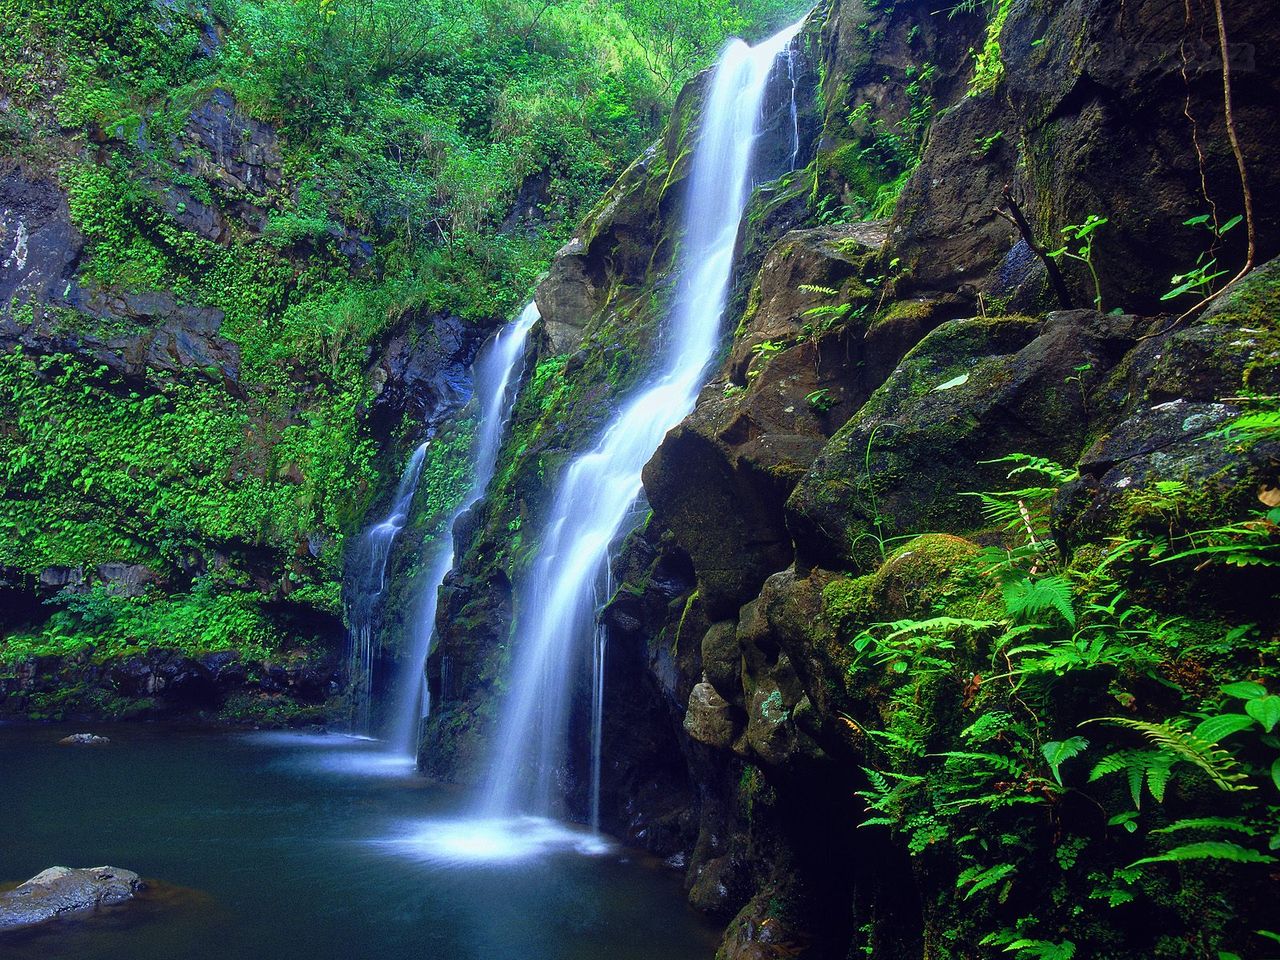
[972, 391]
[422, 369]
[38, 245]
[66, 890]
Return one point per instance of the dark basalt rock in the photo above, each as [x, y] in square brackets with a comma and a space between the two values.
[1089, 119]
[61, 891]
[973, 390]
[233, 149]
[422, 369]
[39, 246]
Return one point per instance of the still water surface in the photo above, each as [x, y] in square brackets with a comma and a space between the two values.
[296, 847]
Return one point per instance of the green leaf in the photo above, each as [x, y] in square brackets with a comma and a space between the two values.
[1266, 710]
[1059, 751]
[1245, 690]
[1208, 823]
[1275, 773]
[953, 382]
[982, 878]
[1208, 850]
[1216, 728]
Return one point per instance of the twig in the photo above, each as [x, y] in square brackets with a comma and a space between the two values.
[1015, 217]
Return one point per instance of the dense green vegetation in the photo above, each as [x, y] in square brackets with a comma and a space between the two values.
[395, 140]
[1075, 719]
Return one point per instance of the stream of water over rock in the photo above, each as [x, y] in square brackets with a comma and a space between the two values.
[598, 489]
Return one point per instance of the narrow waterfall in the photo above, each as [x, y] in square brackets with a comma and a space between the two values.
[363, 606]
[493, 374]
[558, 601]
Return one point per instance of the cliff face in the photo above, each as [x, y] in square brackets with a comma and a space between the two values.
[805, 622]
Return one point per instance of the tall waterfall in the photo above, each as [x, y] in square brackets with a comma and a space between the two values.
[558, 602]
[364, 605]
[493, 374]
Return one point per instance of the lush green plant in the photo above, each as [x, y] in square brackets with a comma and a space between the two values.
[1199, 279]
[1084, 235]
[990, 795]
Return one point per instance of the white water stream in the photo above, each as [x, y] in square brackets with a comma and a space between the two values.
[557, 604]
[362, 611]
[493, 373]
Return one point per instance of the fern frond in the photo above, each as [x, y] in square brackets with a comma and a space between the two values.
[1058, 752]
[980, 878]
[1208, 850]
[1026, 463]
[905, 628]
[1209, 823]
[1025, 598]
[1220, 766]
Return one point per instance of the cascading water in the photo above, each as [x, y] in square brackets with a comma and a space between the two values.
[600, 486]
[492, 374]
[792, 78]
[364, 605]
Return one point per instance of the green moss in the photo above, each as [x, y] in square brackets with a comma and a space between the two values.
[988, 67]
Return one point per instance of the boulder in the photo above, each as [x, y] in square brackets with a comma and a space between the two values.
[84, 740]
[709, 719]
[970, 392]
[59, 891]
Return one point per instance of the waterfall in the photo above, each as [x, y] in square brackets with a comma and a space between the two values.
[558, 600]
[363, 606]
[494, 375]
[795, 112]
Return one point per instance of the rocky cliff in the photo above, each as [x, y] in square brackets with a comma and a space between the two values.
[945, 499]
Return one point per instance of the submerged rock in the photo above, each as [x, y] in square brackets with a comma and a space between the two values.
[85, 740]
[58, 891]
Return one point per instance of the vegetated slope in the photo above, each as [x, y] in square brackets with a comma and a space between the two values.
[953, 629]
[249, 250]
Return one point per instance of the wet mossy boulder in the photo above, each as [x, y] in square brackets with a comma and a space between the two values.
[810, 350]
[972, 391]
[1162, 457]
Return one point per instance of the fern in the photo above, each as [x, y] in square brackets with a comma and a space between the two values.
[1024, 598]
[980, 878]
[934, 625]
[815, 288]
[1042, 466]
[1250, 428]
[1209, 823]
[1152, 767]
[1208, 850]
[1059, 752]
[1172, 737]
[1025, 947]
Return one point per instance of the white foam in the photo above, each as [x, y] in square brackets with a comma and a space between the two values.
[494, 840]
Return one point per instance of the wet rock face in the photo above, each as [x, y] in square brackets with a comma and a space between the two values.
[1090, 119]
[60, 891]
[973, 390]
[232, 149]
[422, 369]
[39, 247]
